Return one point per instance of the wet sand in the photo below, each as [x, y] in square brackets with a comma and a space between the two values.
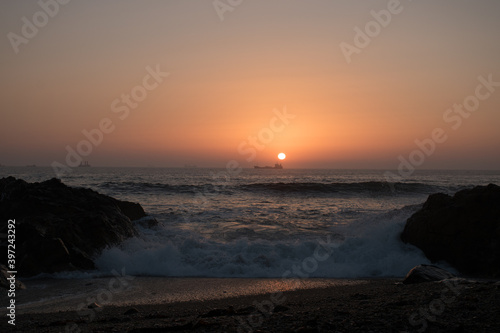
[53, 295]
[265, 305]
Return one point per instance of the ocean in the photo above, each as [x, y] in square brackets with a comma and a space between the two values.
[263, 223]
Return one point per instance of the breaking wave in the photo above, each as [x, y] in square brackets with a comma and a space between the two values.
[367, 248]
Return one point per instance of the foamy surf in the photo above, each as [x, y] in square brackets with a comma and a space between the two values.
[368, 247]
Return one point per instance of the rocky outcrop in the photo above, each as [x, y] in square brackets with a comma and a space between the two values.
[61, 228]
[463, 230]
[426, 273]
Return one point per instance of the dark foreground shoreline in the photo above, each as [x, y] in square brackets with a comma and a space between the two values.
[384, 305]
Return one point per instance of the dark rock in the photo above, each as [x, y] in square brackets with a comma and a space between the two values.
[93, 305]
[131, 311]
[463, 230]
[59, 227]
[426, 273]
[132, 210]
[80, 259]
[52, 254]
[146, 222]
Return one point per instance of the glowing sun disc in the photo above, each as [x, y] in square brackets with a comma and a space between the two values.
[281, 156]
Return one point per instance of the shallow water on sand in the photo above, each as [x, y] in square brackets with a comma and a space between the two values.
[53, 295]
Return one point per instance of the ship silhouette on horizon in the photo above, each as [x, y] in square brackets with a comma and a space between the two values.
[276, 166]
[84, 164]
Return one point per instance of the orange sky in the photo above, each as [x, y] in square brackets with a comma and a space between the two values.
[226, 78]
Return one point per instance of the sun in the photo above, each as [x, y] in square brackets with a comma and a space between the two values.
[281, 156]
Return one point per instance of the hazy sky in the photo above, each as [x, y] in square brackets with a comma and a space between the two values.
[353, 89]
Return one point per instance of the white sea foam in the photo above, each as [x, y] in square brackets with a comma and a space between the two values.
[371, 248]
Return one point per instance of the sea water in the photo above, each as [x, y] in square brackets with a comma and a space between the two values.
[264, 222]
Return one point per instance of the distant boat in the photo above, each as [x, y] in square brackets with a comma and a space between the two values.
[276, 166]
[31, 166]
[84, 164]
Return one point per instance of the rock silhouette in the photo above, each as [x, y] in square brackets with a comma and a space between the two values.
[463, 230]
[426, 273]
[59, 227]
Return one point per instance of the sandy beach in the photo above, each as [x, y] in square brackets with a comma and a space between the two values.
[54, 295]
[264, 305]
